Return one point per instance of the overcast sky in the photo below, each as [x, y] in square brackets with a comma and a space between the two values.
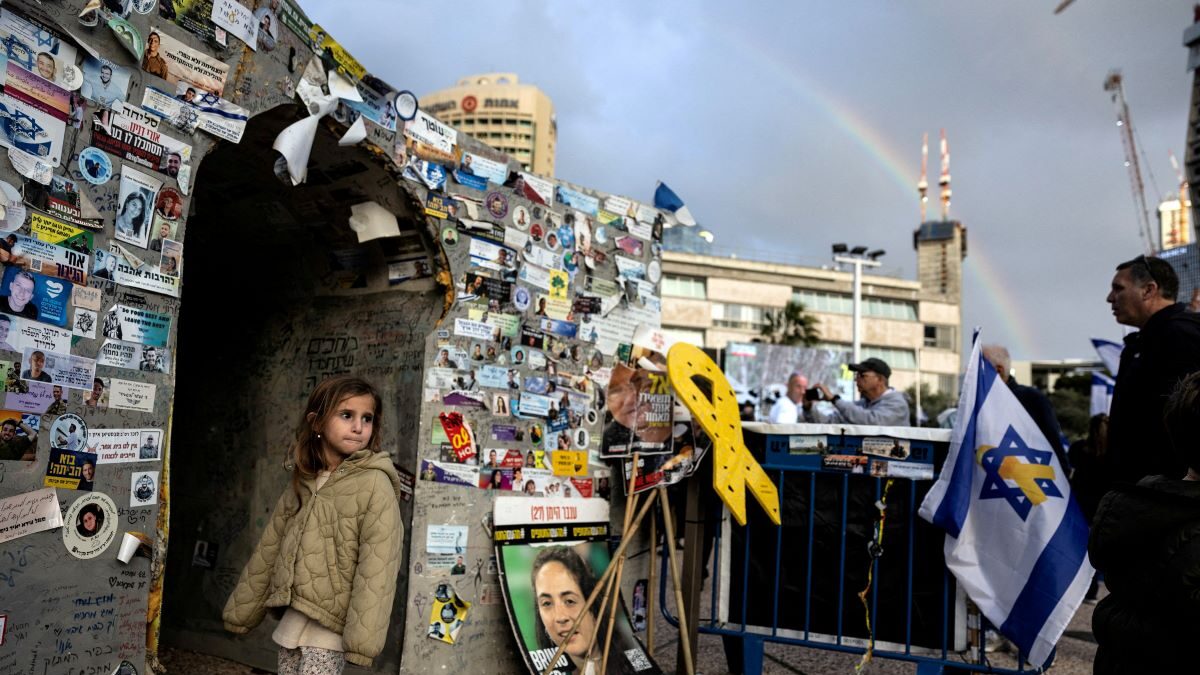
[792, 125]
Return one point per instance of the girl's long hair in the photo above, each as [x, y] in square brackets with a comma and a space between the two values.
[308, 458]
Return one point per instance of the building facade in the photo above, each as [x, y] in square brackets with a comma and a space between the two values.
[915, 326]
[517, 119]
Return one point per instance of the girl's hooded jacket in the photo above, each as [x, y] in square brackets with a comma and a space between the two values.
[335, 558]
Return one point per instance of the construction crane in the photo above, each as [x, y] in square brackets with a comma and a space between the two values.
[1114, 86]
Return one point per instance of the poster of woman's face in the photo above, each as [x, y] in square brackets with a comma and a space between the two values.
[133, 221]
[546, 586]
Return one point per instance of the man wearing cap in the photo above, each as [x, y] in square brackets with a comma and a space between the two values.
[880, 405]
[785, 411]
[1164, 349]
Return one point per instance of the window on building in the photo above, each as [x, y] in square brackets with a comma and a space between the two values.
[683, 287]
[948, 384]
[940, 337]
[745, 317]
[821, 301]
[887, 308]
[904, 359]
[688, 335]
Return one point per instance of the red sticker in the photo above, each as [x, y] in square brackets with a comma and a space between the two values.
[461, 439]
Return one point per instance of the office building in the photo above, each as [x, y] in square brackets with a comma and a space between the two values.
[517, 119]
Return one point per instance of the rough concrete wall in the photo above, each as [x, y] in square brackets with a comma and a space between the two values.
[486, 640]
[244, 381]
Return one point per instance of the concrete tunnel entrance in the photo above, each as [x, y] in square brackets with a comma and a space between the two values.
[278, 294]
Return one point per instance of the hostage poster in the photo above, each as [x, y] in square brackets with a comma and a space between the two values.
[552, 553]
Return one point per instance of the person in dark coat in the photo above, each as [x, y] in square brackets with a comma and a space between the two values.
[1089, 476]
[1146, 540]
[1164, 349]
[1031, 399]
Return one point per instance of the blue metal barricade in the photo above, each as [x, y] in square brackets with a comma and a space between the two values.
[802, 583]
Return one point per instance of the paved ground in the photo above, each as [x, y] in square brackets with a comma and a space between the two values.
[1075, 653]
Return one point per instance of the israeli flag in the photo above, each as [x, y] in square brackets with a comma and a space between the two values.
[1109, 352]
[666, 199]
[1102, 391]
[1015, 539]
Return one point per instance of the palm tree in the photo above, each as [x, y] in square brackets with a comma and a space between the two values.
[791, 325]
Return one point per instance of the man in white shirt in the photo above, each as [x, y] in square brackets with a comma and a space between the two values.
[784, 411]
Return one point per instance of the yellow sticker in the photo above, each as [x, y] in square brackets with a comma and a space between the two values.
[734, 468]
[569, 462]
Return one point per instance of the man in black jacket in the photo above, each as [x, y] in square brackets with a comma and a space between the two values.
[1146, 540]
[1164, 350]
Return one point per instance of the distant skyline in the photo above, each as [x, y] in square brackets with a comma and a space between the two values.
[791, 126]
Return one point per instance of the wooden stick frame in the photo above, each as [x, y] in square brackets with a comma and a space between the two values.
[625, 541]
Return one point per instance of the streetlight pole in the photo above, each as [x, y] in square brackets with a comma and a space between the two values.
[857, 258]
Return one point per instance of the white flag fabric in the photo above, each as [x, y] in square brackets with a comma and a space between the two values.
[1015, 538]
[1109, 352]
[1102, 392]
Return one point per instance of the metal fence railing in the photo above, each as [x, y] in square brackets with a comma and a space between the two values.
[800, 583]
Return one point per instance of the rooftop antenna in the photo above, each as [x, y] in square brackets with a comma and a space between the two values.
[923, 184]
[944, 180]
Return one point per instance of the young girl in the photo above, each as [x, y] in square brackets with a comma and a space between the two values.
[331, 553]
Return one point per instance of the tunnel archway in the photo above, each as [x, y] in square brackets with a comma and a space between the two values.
[279, 294]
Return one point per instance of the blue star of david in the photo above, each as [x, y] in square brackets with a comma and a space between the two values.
[44, 38]
[996, 487]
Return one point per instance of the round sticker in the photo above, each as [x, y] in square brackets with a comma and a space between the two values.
[537, 212]
[592, 416]
[70, 77]
[143, 6]
[12, 216]
[90, 525]
[169, 203]
[566, 235]
[449, 236]
[552, 239]
[535, 232]
[581, 438]
[69, 432]
[654, 271]
[521, 298]
[600, 234]
[520, 217]
[497, 204]
[95, 166]
[569, 261]
[143, 489]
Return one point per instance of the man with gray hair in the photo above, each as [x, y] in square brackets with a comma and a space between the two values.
[880, 404]
[1032, 400]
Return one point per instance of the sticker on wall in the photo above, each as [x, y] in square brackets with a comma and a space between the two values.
[521, 298]
[143, 488]
[497, 204]
[445, 546]
[520, 217]
[447, 615]
[449, 236]
[654, 271]
[600, 235]
[95, 166]
[126, 668]
[12, 216]
[70, 470]
[90, 525]
[69, 432]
